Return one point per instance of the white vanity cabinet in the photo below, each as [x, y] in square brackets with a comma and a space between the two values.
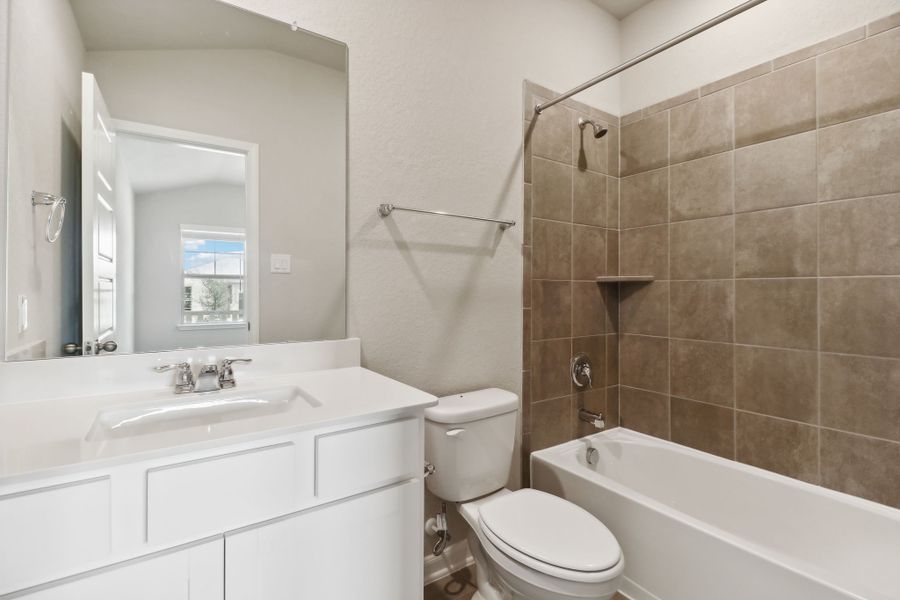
[367, 547]
[193, 573]
[332, 512]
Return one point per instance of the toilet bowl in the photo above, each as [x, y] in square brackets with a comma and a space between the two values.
[527, 544]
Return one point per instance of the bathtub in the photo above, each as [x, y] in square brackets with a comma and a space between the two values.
[694, 526]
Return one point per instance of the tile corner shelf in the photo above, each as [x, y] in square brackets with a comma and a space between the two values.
[625, 279]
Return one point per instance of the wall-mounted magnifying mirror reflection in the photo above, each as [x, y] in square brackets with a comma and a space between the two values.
[202, 153]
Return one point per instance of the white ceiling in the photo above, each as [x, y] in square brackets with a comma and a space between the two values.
[155, 165]
[621, 8]
[195, 25]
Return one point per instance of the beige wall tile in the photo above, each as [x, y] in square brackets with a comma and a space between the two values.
[612, 359]
[527, 154]
[884, 24]
[671, 102]
[551, 422]
[702, 310]
[781, 446]
[645, 144]
[861, 466]
[860, 158]
[612, 406]
[837, 41]
[551, 303]
[588, 252]
[612, 147]
[861, 395]
[706, 427]
[526, 339]
[551, 135]
[733, 80]
[860, 79]
[645, 251]
[590, 309]
[776, 243]
[776, 312]
[645, 412]
[860, 237]
[702, 127]
[525, 403]
[774, 174]
[645, 199]
[526, 222]
[612, 252]
[552, 251]
[779, 383]
[551, 190]
[644, 362]
[550, 369]
[775, 105]
[526, 276]
[613, 208]
[702, 249]
[702, 371]
[703, 188]
[590, 199]
[645, 309]
[860, 315]
[595, 348]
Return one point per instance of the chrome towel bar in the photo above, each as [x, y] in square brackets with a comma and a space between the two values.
[386, 209]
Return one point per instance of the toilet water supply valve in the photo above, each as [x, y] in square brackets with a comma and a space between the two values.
[437, 525]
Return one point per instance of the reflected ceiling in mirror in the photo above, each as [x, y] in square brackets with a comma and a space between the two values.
[201, 152]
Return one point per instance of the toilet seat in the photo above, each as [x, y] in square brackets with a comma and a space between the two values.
[551, 536]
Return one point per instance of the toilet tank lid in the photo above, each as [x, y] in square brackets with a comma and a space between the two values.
[472, 406]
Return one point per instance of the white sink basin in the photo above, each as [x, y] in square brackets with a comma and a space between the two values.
[191, 410]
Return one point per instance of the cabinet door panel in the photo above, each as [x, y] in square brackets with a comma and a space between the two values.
[191, 574]
[366, 547]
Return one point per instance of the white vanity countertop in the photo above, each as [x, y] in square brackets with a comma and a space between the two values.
[48, 438]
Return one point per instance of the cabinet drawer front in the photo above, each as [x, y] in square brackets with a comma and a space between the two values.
[357, 460]
[200, 498]
[50, 530]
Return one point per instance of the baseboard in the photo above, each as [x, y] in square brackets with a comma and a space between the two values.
[633, 591]
[455, 557]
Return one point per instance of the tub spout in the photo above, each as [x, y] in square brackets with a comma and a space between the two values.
[595, 419]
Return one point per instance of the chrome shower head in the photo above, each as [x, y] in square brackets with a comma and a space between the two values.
[599, 130]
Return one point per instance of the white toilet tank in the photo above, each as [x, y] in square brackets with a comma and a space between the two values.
[469, 438]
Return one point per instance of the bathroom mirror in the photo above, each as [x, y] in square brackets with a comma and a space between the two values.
[177, 178]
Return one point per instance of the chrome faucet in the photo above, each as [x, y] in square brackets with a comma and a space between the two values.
[226, 373]
[184, 376]
[208, 379]
[212, 378]
[595, 419]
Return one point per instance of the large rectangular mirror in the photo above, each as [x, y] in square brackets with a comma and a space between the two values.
[177, 178]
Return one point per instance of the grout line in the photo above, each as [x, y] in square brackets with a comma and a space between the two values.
[734, 395]
[818, 287]
[669, 260]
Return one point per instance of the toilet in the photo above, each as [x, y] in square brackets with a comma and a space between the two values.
[527, 544]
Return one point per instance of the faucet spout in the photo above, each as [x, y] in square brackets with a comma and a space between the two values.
[595, 419]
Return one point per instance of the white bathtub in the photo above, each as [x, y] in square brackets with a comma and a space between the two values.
[694, 526]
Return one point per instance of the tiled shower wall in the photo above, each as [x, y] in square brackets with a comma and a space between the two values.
[571, 216]
[767, 206]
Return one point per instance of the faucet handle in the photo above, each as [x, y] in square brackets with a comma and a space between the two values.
[226, 373]
[184, 376]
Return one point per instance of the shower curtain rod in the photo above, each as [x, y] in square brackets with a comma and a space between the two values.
[650, 53]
